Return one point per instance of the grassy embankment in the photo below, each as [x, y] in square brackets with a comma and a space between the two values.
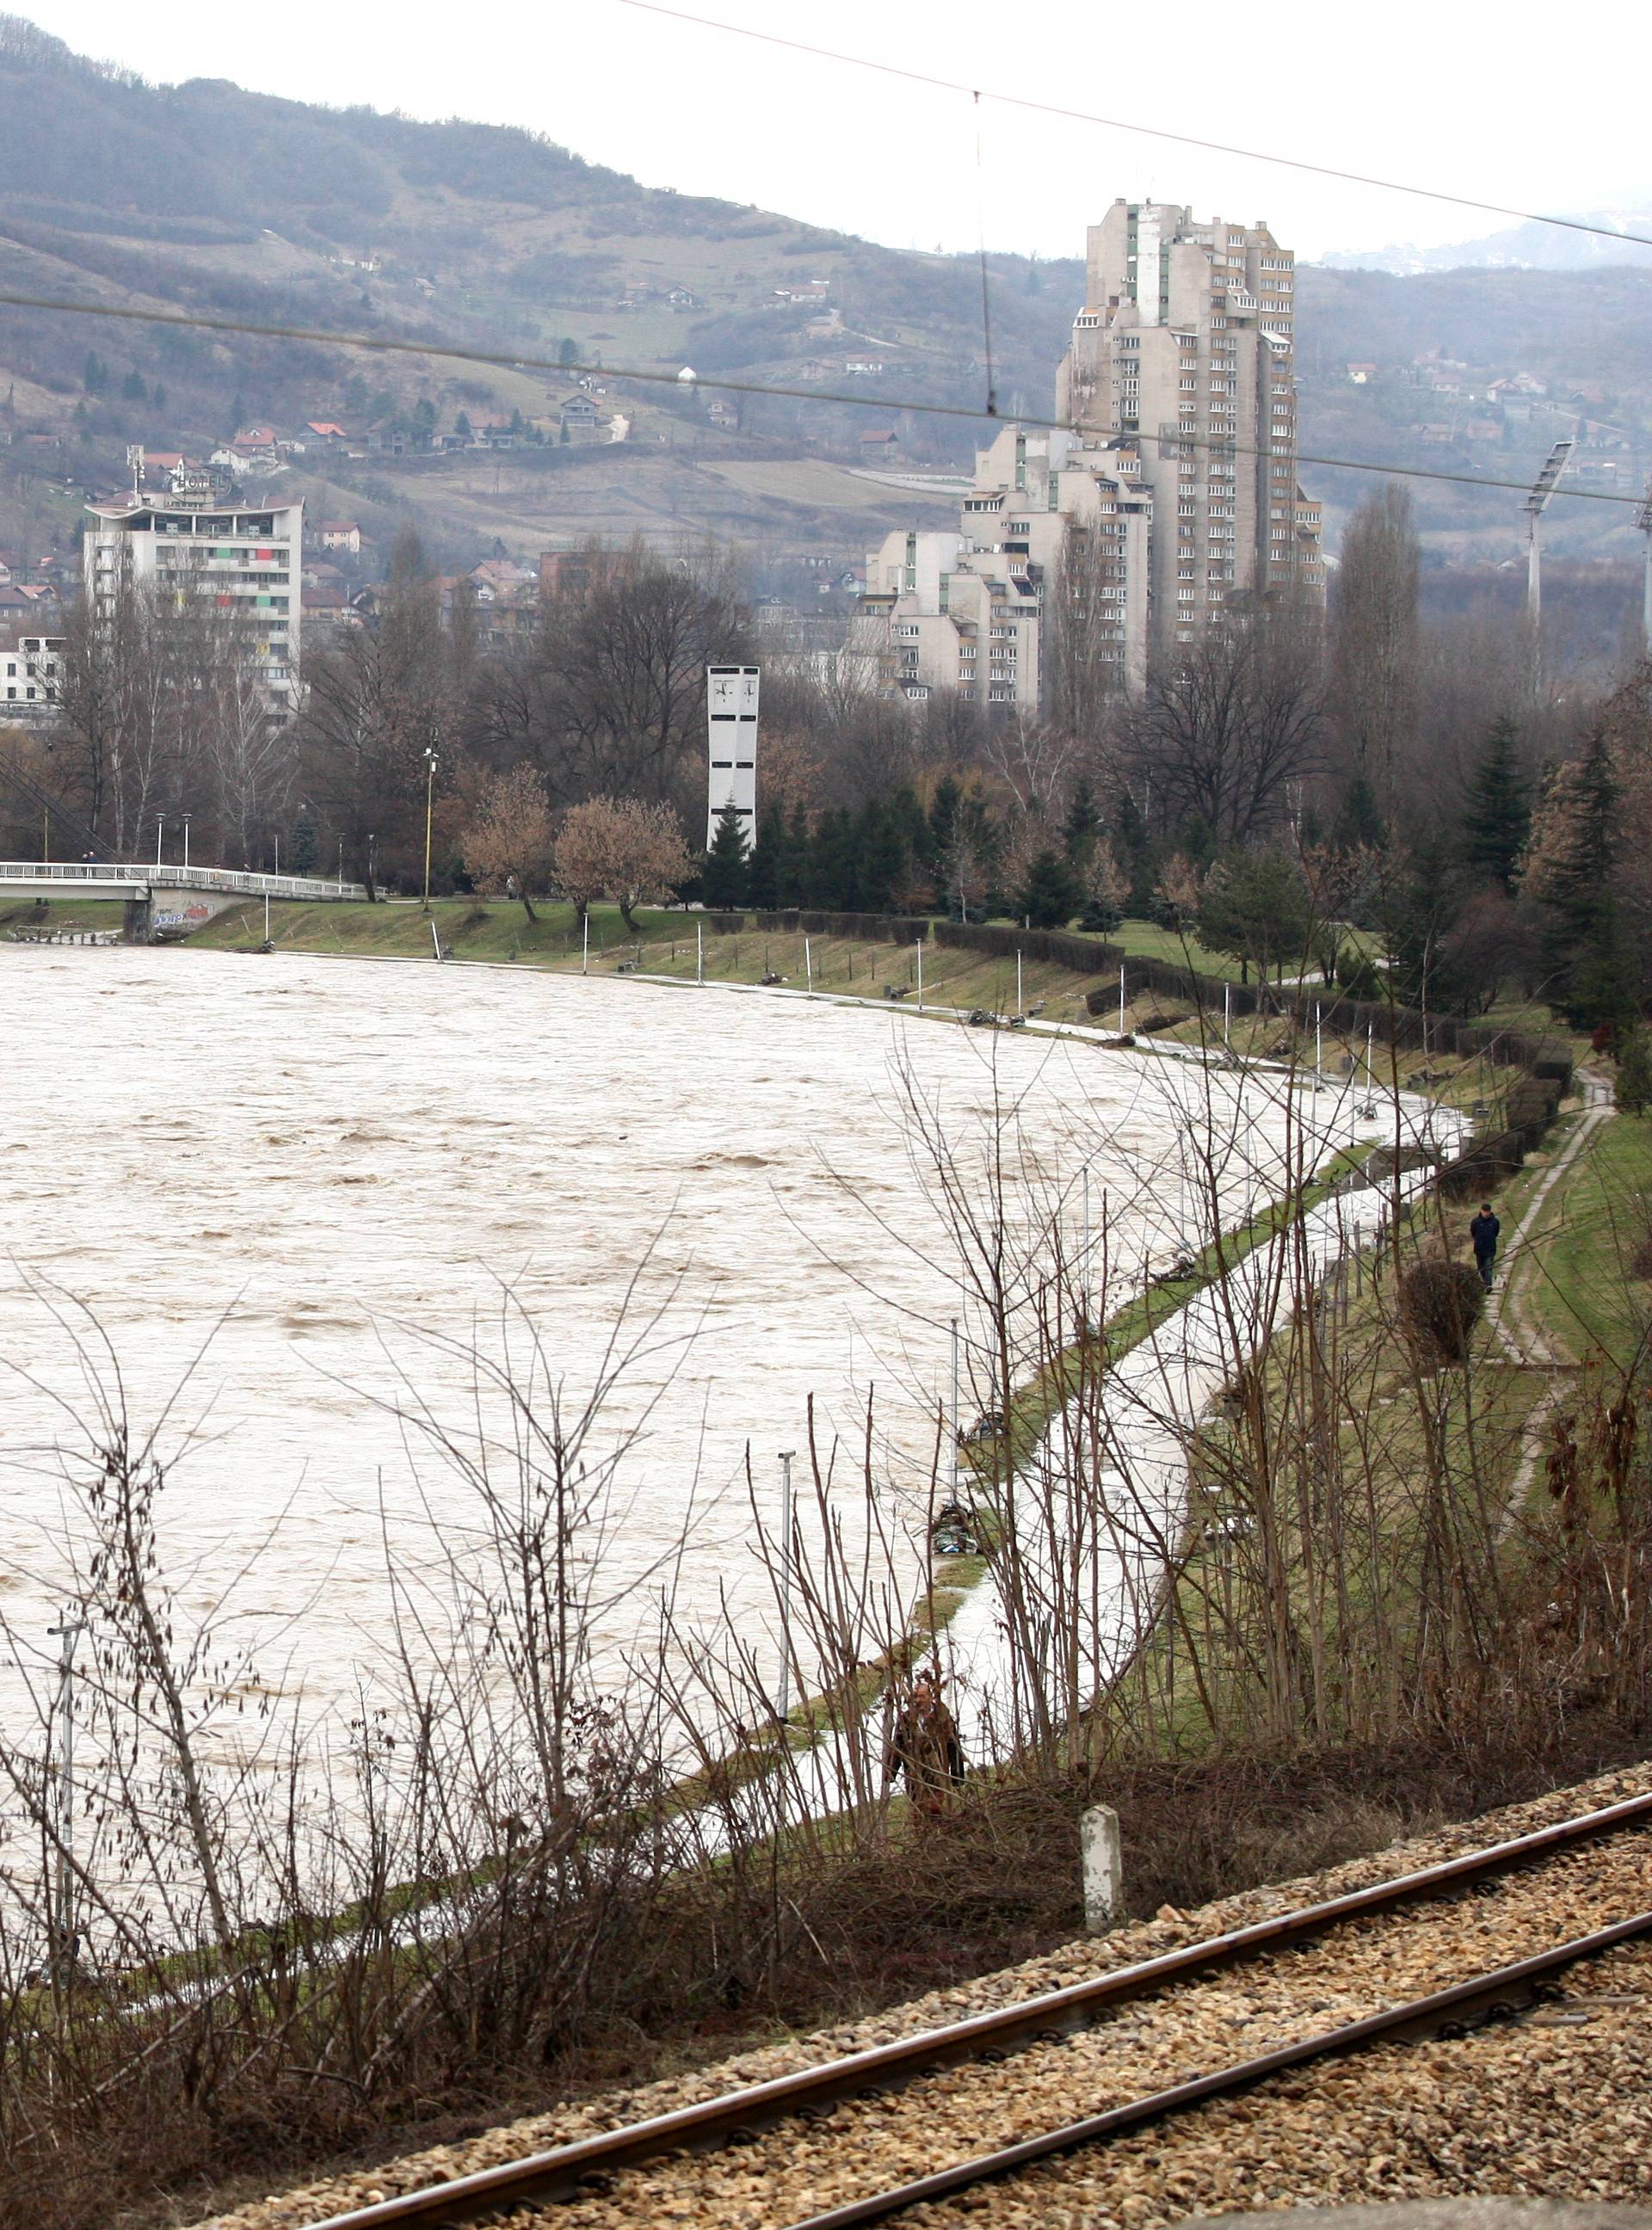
[1403, 1432]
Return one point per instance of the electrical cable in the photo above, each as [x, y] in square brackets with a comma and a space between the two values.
[1118, 123]
[389, 345]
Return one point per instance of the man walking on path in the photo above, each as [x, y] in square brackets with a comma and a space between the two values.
[1483, 1232]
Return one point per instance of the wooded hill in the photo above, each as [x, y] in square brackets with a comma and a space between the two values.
[202, 196]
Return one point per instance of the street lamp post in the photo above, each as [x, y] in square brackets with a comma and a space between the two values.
[186, 818]
[429, 799]
[161, 830]
[371, 885]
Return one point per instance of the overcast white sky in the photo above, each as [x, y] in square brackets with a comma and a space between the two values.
[1488, 103]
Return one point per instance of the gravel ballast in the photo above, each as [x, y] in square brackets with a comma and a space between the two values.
[1558, 2102]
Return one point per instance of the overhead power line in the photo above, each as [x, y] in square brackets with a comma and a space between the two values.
[1123, 124]
[497, 359]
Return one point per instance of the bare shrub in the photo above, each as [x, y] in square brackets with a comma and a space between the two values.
[1440, 1304]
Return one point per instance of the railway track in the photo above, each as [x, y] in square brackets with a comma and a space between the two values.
[773, 2151]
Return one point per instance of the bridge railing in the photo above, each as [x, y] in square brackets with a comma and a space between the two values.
[170, 876]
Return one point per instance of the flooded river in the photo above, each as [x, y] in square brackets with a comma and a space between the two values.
[272, 1180]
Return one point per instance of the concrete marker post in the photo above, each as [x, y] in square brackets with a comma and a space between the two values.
[1102, 1861]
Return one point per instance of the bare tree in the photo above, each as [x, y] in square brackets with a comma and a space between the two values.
[1226, 729]
[507, 846]
[622, 849]
[1375, 647]
[1085, 677]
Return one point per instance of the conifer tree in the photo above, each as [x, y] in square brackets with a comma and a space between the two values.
[1575, 879]
[882, 860]
[767, 871]
[1079, 830]
[1359, 820]
[1633, 1094]
[1050, 896]
[1497, 818]
[725, 879]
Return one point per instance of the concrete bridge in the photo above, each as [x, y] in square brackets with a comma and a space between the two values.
[163, 898]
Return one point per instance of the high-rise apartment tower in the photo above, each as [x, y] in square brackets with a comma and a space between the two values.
[1186, 341]
[243, 560]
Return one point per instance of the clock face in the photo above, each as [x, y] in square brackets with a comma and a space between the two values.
[723, 691]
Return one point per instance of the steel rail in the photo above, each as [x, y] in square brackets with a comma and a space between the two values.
[736, 2116]
[1504, 1990]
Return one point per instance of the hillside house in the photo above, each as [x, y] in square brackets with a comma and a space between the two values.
[881, 441]
[496, 576]
[324, 434]
[1359, 375]
[493, 434]
[340, 534]
[723, 414]
[579, 418]
[683, 298]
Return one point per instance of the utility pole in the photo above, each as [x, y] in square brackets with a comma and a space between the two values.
[1643, 520]
[786, 1454]
[69, 1632]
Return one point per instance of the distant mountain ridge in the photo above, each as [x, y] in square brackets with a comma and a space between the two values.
[1528, 247]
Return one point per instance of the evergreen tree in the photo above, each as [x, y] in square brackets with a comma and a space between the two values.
[830, 875]
[942, 815]
[132, 388]
[796, 892]
[1586, 935]
[725, 877]
[768, 862]
[1633, 1091]
[1079, 831]
[568, 351]
[882, 859]
[1497, 817]
[158, 396]
[95, 377]
[1359, 820]
[1050, 896]
[1255, 905]
[1137, 855]
[305, 845]
[911, 824]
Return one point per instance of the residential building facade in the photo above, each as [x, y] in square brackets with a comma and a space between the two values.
[974, 611]
[1186, 345]
[246, 559]
[31, 680]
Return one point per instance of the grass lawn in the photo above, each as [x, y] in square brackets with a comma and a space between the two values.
[1576, 1280]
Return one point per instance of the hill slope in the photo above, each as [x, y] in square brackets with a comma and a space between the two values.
[205, 196]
